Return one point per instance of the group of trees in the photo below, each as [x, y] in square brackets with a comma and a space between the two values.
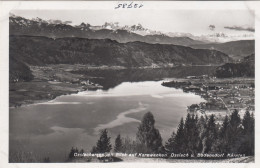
[73, 151]
[103, 144]
[194, 135]
[203, 135]
[148, 139]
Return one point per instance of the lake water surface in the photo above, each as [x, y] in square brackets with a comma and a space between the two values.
[50, 129]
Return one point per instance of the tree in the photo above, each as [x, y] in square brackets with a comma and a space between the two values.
[210, 135]
[170, 145]
[234, 132]
[187, 128]
[81, 151]
[103, 144]
[248, 123]
[235, 120]
[118, 144]
[129, 145]
[94, 149]
[194, 139]
[201, 125]
[224, 128]
[191, 134]
[72, 152]
[247, 140]
[223, 136]
[179, 139]
[176, 142]
[148, 136]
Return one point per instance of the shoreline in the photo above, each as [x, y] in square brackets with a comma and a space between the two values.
[26, 103]
[51, 81]
[220, 98]
[54, 94]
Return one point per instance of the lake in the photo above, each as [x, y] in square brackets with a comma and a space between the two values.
[50, 129]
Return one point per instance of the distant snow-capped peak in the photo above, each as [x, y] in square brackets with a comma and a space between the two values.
[222, 37]
[137, 29]
[214, 37]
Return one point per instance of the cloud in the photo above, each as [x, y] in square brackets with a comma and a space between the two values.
[67, 22]
[212, 27]
[240, 28]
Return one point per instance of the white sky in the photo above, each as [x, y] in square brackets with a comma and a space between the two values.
[188, 21]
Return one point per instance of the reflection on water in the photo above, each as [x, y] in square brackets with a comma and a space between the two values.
[112, 78]
[52, 128]
[122, 118]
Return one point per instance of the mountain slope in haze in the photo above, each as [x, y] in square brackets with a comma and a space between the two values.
[246, 68]
[235, 49]
[38, 27]
[35, 50]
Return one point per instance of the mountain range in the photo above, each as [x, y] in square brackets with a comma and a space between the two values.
[138, 29]
[40, 42]
[123, 34]
[37, 50]
[57, 29]
[245, 68]
[235, 49]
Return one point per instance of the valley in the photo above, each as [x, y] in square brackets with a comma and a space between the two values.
[50, 81]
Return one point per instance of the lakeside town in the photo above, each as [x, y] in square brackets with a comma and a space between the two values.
[222, 96]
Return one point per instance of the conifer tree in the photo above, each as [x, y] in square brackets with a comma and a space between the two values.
[103, 144]
[235, 120]
[224, 128]
[118, 144]
[223, 135]
[201, 125]
[220, 144]
[170, 145]
[81, 151]
[248, 123]
[234, 132]
[94, 149]
[176, 141]
[148, 136]
[191, 134]
[210, 135]
[187, 129]
[179, 139]
[247, 140]
[71, 154]
[194, 135]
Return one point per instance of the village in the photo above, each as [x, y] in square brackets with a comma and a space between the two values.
[222, 96]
